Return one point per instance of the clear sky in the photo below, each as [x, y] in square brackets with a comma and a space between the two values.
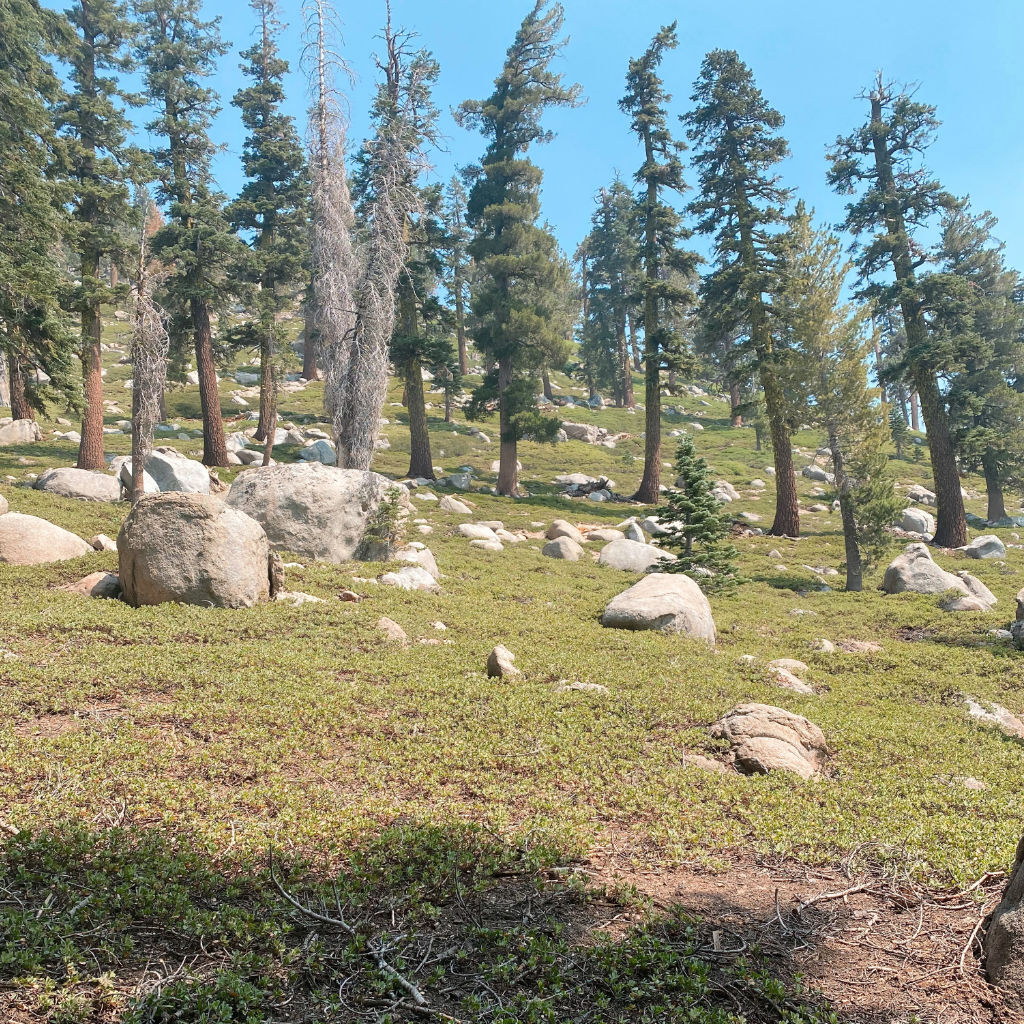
[810, 58]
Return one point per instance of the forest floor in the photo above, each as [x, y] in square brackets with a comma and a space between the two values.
[271, 815]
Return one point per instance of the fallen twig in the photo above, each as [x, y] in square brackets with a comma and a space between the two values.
[339, 922]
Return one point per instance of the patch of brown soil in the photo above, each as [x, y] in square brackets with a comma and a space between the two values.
[53, 726]
[878, 948]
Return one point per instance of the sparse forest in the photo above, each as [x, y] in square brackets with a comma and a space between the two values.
[414, 611]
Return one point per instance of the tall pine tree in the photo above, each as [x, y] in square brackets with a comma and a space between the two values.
[735, 134]
[898, 200]
[178, 51]
[101, 166]
[517, 323]
[271, 208]
[661, 230]
[34, 332]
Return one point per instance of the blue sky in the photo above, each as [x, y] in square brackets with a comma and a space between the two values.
[810, 57]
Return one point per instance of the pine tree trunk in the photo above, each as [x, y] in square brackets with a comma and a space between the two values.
[310, 344]
[460, 329]
[951, 520]
[735, 417]
[20, 409]
[215, 452]
[649, 489]
[266, 388]
[546, 383]
[421, 462]
[915, 418]
[629, 399]
[854, 564]
[672, 381]
[90, 450]
[994, 489]
[787, 505]
[634, 344]
[268, 447]
[508, 474]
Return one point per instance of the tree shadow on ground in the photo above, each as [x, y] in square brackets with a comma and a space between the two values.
[420, 922]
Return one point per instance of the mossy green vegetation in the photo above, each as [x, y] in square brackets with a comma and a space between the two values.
[151, 758]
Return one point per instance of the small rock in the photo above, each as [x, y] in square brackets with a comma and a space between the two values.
[766, 738]
[392, 630]
[96, 584]
[564, 548]
[500, 663]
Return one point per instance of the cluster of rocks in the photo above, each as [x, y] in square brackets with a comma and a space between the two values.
[590, 433]
[579, 485]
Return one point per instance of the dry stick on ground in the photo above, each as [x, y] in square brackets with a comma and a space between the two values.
[339, 922]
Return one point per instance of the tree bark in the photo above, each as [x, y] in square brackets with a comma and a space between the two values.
[20, 409]
[787, 505]
[310, 344]
[421, 462]
[634, 344]
[950, 517]
[460, 329]
[915, 417]
[735, 417]
[266, 389]
[90, 450]
[994, 489]
[625, 369]
[545, 380]
[508, 473]
[649, 490]
[215, 452]
[854, 564]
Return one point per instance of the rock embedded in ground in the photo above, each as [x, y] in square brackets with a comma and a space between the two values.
[29, 540]
[319, 512]
[192, 549]
[921, 495]
[454, 506]
[789, 680]
[392, 630]
[633, 532]
[20, 432]
[101, 542]
[916, 520]
[564, 548]
[915, 572]
[477, 531]
[630, 556]
[501, 663]
[487, 545]
[667, 602]
[823, 645]
[986, 546]
[421, 556]
[83, 484]
[765, 738]
[604, 536]
[168, 470]
[852, 646]
[96, 584]
[411, 577]
[561, 528]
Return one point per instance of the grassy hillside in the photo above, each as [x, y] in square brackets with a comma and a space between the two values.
[152, 759]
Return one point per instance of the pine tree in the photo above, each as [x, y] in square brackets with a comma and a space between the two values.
[829, 350]
[456, 258]
[178, 52]
[272, 203]
[612, 257]
[34, 331]
[975, 309]
[517, 259]
[736, 142]
[660, 175]
[898, 429]
[100, 165]
[698, 528]
[898, 200]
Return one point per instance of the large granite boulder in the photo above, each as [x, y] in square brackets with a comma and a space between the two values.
[986, 546]
[320, 512]
[916, 520]
[631, 556]
[916, 573]
[564, 548]
[85, 484]
[765, 738]
[668, 602]
[193, 549]
[20, 432]
[167, 470]
[29, 540]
